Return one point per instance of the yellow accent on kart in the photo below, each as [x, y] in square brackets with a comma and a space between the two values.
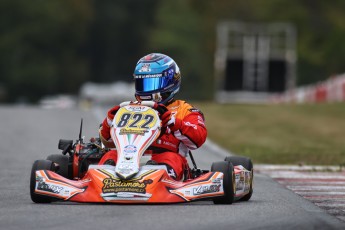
[135, 121]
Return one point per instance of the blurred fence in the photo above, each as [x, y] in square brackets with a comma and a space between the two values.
[330, 90]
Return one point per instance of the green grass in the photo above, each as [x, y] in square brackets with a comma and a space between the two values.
[279, 134]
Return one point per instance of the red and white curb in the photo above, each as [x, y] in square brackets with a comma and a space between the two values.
[322, 185]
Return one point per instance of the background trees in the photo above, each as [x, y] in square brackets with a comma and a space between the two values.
[49, 47]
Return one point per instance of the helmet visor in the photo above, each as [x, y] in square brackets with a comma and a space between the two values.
[145, 84]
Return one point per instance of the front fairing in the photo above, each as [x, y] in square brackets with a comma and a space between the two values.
[133, 130]
[151, 184]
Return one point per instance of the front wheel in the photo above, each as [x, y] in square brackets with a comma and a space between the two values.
[40, 165]
[227, 169]
[62, 161]
[247, 164]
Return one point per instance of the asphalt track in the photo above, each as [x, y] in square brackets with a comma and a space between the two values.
[29, 133]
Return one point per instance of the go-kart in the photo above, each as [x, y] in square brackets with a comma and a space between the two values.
[75, 175]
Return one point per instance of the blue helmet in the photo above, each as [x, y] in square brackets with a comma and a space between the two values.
[157, 78]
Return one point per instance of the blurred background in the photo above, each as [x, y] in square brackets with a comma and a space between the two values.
[71, 47]
[65, 53]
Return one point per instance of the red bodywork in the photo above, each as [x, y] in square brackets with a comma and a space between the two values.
[150, 186]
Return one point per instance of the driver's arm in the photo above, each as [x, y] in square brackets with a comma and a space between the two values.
[104, 131]
[191, 130]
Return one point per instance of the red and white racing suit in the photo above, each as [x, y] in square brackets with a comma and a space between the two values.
[171, 148]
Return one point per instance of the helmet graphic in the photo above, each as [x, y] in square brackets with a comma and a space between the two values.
[157, 78]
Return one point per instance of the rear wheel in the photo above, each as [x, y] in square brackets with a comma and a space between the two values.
[39, 165]
[247, 164]
[228, 181]
[62, 161]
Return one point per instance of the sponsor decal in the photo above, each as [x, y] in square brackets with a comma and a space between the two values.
[111, 185]
[201, 120]
[191, 125]
[174, 107]
[128, 159]
[130, 149]
[242, 176]
[168, 144]
[248, 180]
[145, 97]
[206, 189]
[169, 73]
[135, 108]
[152, 57]
[126, 167]
[145, 68]
[240, 185]
[125, 196]
[126, 171]
[217, 180]
[194, 110]
[129, 152]
[177, 76]
[148, 76]
[240, 181]
[133, 131]
[47, 187]
[157, 97]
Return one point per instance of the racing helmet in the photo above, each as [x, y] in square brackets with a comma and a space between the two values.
[157, 78]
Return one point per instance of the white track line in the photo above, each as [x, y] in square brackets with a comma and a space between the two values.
[315, 187]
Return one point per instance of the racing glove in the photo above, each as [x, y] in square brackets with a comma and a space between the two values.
[105, 127]
[168, 120]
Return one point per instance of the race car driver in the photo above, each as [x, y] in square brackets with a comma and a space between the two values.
[157, 78]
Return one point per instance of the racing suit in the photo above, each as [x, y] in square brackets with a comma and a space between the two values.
[188, 133]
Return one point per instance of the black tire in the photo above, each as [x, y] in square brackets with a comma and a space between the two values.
[240, 160]
[246, 163]
[62, 161]
[228, 181]
[40, 165]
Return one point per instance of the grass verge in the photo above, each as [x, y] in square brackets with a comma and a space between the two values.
[279, 134]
